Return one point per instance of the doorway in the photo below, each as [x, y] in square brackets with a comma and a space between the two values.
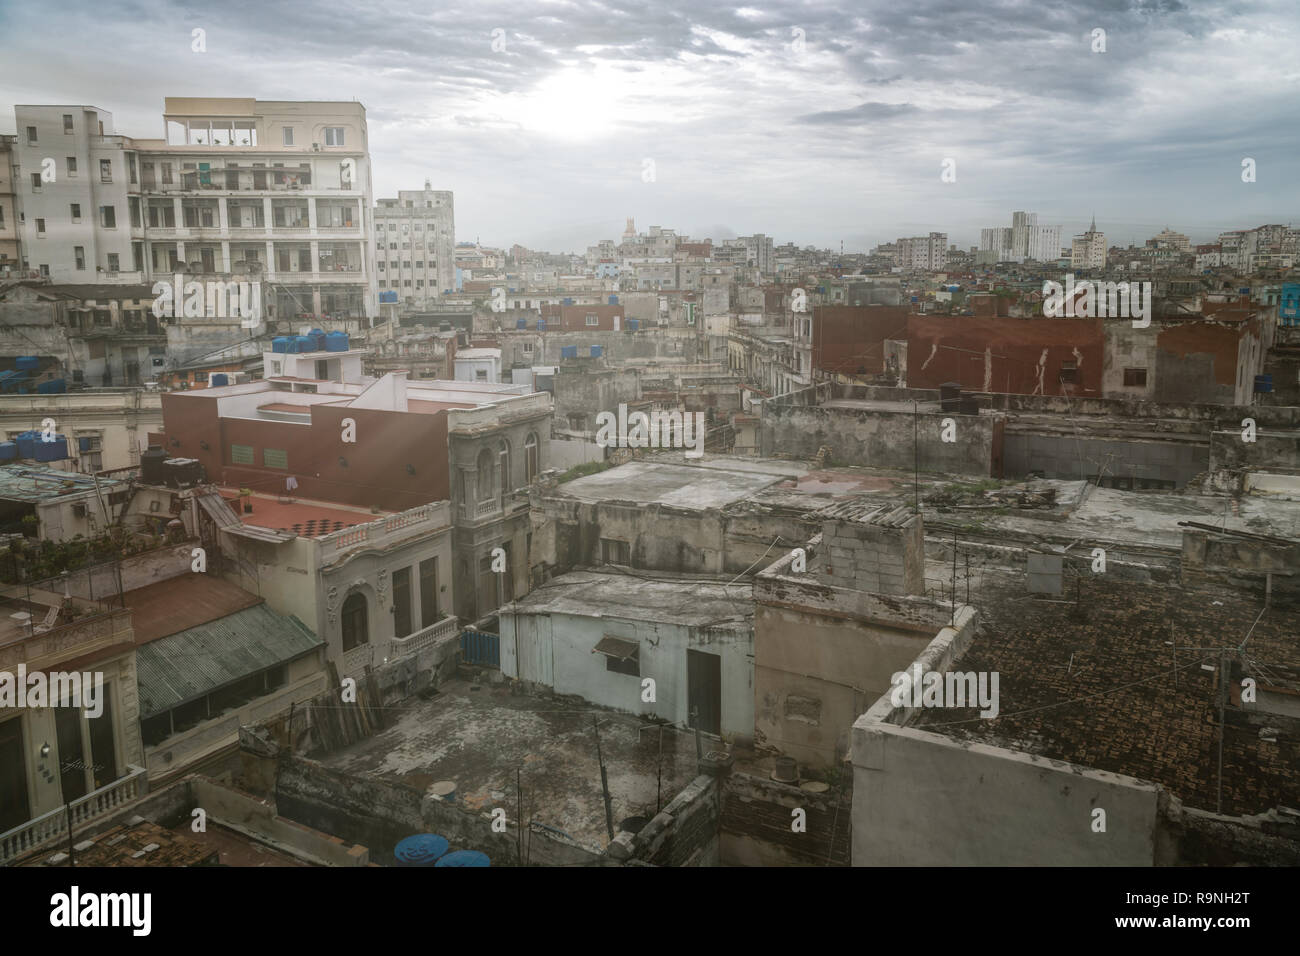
[704, 691]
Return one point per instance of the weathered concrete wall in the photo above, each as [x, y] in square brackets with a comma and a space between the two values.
[1271, 451]
[1080, 456]
[757, 825]
[1127, 347]
[871, 557]
[684, 833]
[882, 439]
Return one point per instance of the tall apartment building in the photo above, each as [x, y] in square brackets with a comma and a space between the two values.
[1088, 251]
[415, 243]
[11, 262]
[758, 252]
[1168, 239]
[274, 190]
[923, 253]
[1025, 239]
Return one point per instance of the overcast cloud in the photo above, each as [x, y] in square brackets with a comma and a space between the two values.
[545, 143]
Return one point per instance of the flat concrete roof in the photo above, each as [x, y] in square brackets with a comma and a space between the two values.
[667, 483]
[477, 736]
[636, 596]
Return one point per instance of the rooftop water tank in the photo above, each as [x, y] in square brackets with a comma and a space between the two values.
[318, 336]
[217, 379]
[55, 450]
[280, 343]
[464, 858]
[27, 444]
[53, 386]
[633, 324]
[336, 342]
[28, 363]
[521, 323]
[302, 343]
[152, 471]
[613, 300]
[8, 450]
[541, 325]
[568, 302]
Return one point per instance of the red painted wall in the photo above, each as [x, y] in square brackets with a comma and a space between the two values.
[849, 337]
[376, 470]
[1015, 348]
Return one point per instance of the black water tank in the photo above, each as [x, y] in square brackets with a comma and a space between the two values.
[151, 466]
[950, 396]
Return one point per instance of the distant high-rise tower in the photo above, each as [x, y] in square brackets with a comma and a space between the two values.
[630, 231]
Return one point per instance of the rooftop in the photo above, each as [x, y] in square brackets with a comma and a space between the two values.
[1128, 682]
[300, 516]
[642, 596]
[711, 483]
[32, 483]
[180, 603]
[133, 844]
[478, 736]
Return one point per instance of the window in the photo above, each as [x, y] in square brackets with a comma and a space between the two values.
[105, 170]
[31, 136]
[241, 454]
[1069, 373]
[275, 458]
[592, 320]
[402, 602]
[72, 166]
[1135, 377]
[113, 261]
[531, 462]
[486, 490]
[429, 592]
[354, 619]
[36, 182]
[288, 136]
[166, 174]
[75, 209]
[130, 165]
[480, 375]
[614, 552]
[67, 122]
[40, 228]
[108, 217]
[79, 253]
[333, 135]
[621, 657]
[45, 271]
[528, 348]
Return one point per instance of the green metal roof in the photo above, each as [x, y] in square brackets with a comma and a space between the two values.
[185, 666]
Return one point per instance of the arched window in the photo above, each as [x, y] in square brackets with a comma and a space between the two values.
[532, 464]
[486, 476]
[503, 466]
[355, 618]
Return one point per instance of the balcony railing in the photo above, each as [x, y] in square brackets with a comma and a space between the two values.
[357, 660]
[384, 530]
[485, 508]
[49, 827]
[447, 628]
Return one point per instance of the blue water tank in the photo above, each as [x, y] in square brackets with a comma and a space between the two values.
[56, 450]
[613, 300]
[521, 323]
[302, 343]
[218, 379]
[336, 342]
[464, 858]
[53, 387]
[1263, 383]
[318, 336]
[596, 351]
[28, 362]
[568, 302]
[280, 343]
[27, 444]
[8, 450]
[541, 325]
[421, 850]
[568, 351]
[633, 324]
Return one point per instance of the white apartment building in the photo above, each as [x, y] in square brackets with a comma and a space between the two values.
[1168, 239]
[1025, 239]
[1088, 251]
[415, 243]
[274, 190]
[758, 252]
[11, 262]
[923, 253]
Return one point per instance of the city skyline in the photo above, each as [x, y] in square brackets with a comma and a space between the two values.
[554, 122]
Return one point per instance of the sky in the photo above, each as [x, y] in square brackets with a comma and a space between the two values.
[816, 123]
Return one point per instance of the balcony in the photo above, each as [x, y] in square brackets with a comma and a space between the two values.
[357, 660]
[53, 826]
[384, 531]
[446, 629]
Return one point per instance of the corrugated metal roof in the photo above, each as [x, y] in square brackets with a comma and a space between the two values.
[185, 666]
